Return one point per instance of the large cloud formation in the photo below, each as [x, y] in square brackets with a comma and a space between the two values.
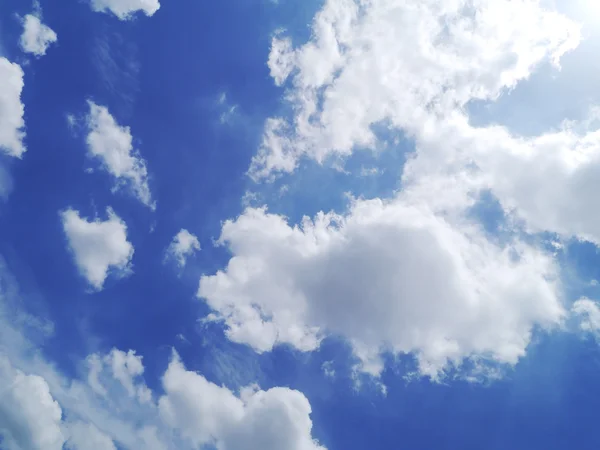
[400, 62]
[415, 273]
[386, 275]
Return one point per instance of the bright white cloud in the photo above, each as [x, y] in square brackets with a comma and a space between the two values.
[388, 275]
[11, 109]
[205, 413]
[113, 145]
[184, 244]
[400, 62]
[125, 9]
[98, 246]
[85, 436]
[36, 37]
[29, 416]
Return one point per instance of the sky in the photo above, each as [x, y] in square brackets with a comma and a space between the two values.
[299, 225]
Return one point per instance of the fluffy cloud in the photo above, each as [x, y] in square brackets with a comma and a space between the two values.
[113, 145]
[548, 181]
[400, 62]
[125, 9]
[184, 245]
[98, 245]
[35, 395]
[11, 109]
[36, 37]
[388, 275]
[205, 413]
[32, 388]
[85, 436]
[29, 417]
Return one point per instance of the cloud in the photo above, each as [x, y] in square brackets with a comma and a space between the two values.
[547, 181]
[346, 79]
[44, 398]
[400, 62]
[206, 414]
[124, 367]
[85, 436]
[588, 313]
[36, 37]
[125, 9]
[388, 275]
[11, 109]
[42, 408]
[113, 145]
[184, 245]
[98, 246]
[29, 416]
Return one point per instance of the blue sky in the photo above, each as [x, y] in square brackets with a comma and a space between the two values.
[299, 225]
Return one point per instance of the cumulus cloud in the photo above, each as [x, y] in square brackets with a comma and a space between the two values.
[125, 9]
[184, 244]
[112, 144]
[389, 275]
[98, 246]
[205, 413]
[36, 37]
[30, 418]
[400, 62]
[11, 109]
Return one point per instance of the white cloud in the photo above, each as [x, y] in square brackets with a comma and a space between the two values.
[388, 275]
[85, 436]
[281, 59]
[588, 313]
[124, 367]
[544, 183]
[549, 181]
[125, 9]
[36, 395]
[36, 37]
[29, 416]
[113, 145]
[184, 245]
[98, 246]
[400, 62]
[205, 413]
[11, 109]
